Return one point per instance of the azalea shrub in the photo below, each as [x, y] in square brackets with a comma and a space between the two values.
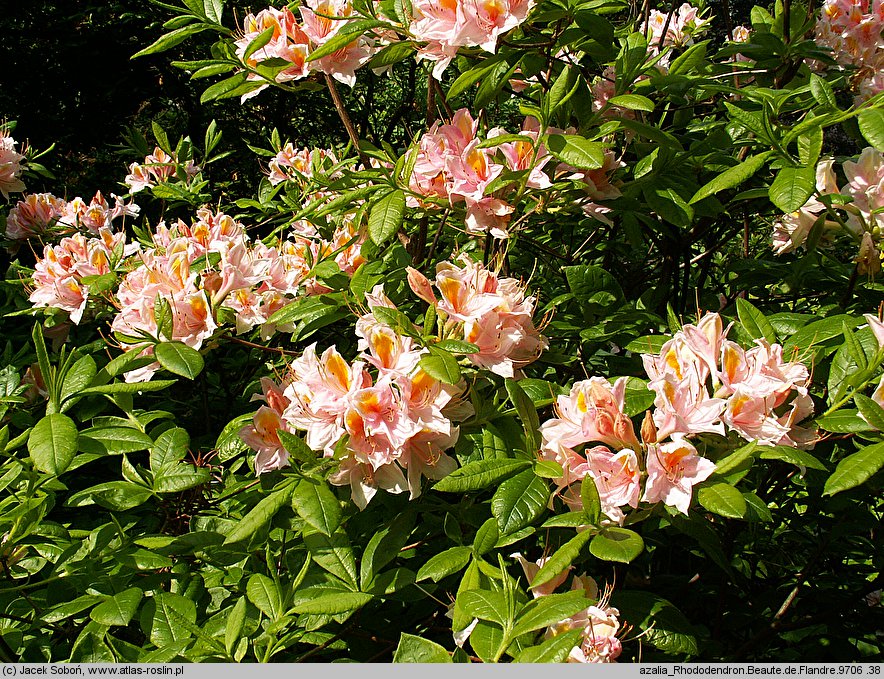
[574, 354]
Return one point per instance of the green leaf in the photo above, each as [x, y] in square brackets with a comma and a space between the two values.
[296, 446]
[457, 346]
[855, 469]
[158, 623]
[548, 610]
[178, 358]
[445, 563]
[592, 503]
[169, 448]
[800, 458]
[548, 469]
[113, 440]
[169, 40]
[334, 554]
[480, 474]
[333, 604]
[690, 60]
[519, 501]
[346, 34]
[180, 478]
[554, 650]
[723, 499]
[731, 177]
[69, 609]
[617, 544]
[127, 387]
[391, 54]
[317, 505]
[386, 217]
[634, 102]
[412, 649]
[822, 92]
[257, 43]
[78, 377]
[484, 605]
[527, 414]
[119, 609]
[871, 124]
[871, 411]
[235, 621]
[260, 515]
[577, 151]
[662, 624]
[52, 443]
[440, 365]
[116, 495]
[561, 559]
[486, 537]
[736, 460]
[792, 187]
[263, 592]
[384, 546]
[755, 322]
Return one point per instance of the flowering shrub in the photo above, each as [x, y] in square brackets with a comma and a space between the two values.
[528, 386]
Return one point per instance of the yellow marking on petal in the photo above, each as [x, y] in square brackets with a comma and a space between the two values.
[339, 369]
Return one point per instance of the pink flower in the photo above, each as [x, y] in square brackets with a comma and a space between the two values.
[288, 42]
[674, 468]
[10, 165]
[33, 215]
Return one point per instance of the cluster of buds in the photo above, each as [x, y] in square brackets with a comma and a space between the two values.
[863, 214]
[38, 213]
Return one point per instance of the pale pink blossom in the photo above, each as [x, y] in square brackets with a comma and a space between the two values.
[674, 468]
[10, 165]
[33, 215]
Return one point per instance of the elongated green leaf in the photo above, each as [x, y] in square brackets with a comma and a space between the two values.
[800, 458]
[386, 217]
[592, 503]
[554, 650]
[169, 448]
[113, 440]
[661, 623]
[792, 187]
[235, 622]
[871, 411]
[157, 621]
[548, 610]
[128, 388]
[617, 544]
[484, 605]
[260, 515]
[457, 346]
[119, 609]
[317, 505]
[334, 554]
[855, 469]
[296, 446]
[562, 558]
[345, 35]
[180, 478]
[257, 43]
[332, 604]
[169, 40]
[480, 474]
[519, 501]
[441, 365]
[384, 547]
[486, 537]
[445, 563]
[264, 593]
[733, 176]
[723, 499]
[78, 377]
[577, 151]
[871, 124]
[52, 443]
[178, 358]
[527, 413]
[755, 322]
[634, 102]
[822, 91]
[415, 649]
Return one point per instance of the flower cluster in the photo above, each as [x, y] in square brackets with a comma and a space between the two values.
[157, 168]
[10, 165]
[452, 166]
[397, 420]
[863, 214]
[397, 424]
[598, 623]
[491, 312]
[293, 42]
[672, 29]
[704, 383]
[250, 279]
[447, 26]
[852, 29]
[38, 212]
[291, 164]
[59, 275]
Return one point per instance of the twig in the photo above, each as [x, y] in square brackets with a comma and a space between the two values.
[276, 350]
[345, 118]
